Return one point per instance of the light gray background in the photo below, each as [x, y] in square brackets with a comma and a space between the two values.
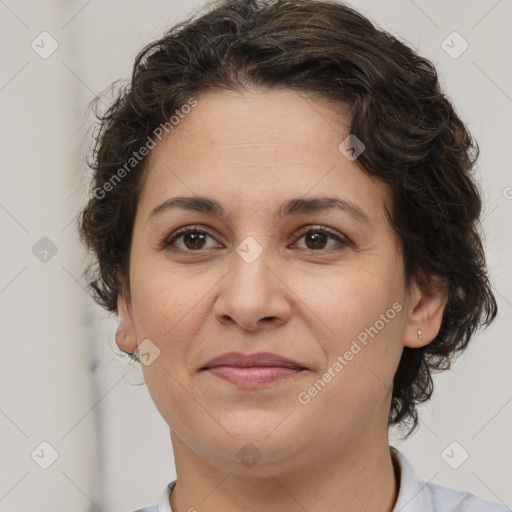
[60, 379]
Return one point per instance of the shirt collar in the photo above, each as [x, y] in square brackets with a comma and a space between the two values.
[164, 505]
[410, 496]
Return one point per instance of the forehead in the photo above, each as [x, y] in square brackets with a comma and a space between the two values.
[278, 122]
[255, 147]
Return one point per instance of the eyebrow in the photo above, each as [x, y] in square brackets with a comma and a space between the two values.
[290, 207]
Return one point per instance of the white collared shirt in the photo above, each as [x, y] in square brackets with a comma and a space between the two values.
[413, 496]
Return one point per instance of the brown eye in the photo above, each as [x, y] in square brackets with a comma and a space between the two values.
[191, 240]
[194, 239]
[316, 239]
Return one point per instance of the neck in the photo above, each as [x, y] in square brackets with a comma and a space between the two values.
[358, 479]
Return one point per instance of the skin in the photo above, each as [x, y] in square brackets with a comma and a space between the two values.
[252, 151]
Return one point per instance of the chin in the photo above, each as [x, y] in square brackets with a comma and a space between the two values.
[258, 457]
[255, 424]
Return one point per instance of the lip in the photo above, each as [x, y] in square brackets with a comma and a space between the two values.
[253, 370]
[250, 360]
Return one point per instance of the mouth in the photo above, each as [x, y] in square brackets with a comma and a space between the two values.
[253, 370]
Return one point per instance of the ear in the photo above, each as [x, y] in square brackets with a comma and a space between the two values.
[126, 338]
[427, 305]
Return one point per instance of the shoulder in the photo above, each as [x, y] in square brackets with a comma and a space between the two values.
[417, 496]
[163, 505]
[444, 499]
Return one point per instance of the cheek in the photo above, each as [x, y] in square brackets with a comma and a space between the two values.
[164, 312]
[169, 392]
[360, 319]
[162, 304]
[350, 302]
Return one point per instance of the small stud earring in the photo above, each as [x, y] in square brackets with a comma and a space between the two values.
[420, 335]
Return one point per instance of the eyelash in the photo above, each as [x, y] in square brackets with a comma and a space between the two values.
[168, 241]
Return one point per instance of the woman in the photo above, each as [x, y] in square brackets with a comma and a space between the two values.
[285, 220]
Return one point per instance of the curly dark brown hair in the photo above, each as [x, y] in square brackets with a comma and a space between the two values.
[414, 141]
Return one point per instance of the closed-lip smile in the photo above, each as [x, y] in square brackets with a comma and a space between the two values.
[252, 370]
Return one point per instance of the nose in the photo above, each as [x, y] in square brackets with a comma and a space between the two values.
[253, 295]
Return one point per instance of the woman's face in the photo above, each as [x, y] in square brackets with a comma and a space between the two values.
[322, 287]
